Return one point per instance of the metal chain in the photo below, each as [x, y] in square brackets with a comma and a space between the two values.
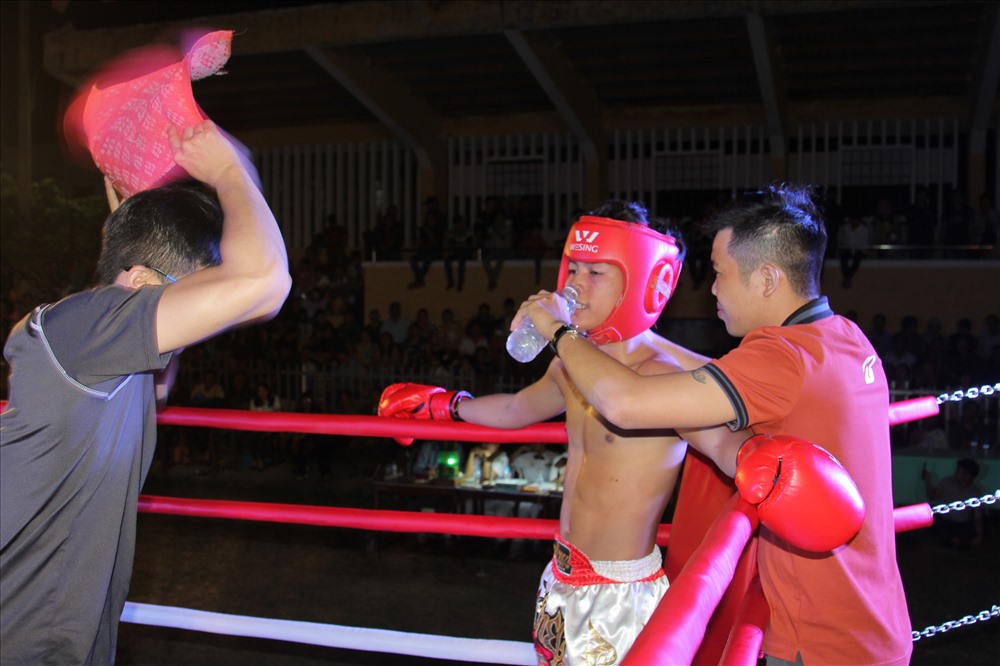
[970, 393]
[982, 616]
[971, 503]
[933, 630]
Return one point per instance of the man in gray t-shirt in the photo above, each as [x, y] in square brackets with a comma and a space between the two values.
[78, 433]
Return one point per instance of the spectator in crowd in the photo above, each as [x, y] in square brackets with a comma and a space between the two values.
[986, 224]
[209, 394]
[484, 219]
[389, 354]
[699, 255]
[484, 317]
[921, 223]
[523, 219]
[957, 528]
[366, 351]
[473, 340]
[497, 245]
[397, 326]
[374, 324]
[414, 352]
[385, 241]
[962, 337]
[430, 242]
[966, 427]
[957, 224]
[506, 318]
[933, 333]
[963, 365]
[989, 372]
[426, 329]
[929, 435]
[886, 228]
[263, 448]
[533, 463]
[458, 248]
[303, 446]
[909, 328]
[450, 332]
[854, 236]
[348, 331]
[899, 354]
[877, 334]
[989, 337]
[533, 246]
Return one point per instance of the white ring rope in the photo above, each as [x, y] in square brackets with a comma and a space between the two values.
[332, 635]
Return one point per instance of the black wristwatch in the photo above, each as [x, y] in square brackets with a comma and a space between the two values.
[561, 331]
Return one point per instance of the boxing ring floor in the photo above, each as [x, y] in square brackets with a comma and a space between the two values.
[461, 588]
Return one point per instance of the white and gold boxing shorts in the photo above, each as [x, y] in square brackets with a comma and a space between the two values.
[589, 613]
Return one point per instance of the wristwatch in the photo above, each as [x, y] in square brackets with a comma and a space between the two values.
[561, 331]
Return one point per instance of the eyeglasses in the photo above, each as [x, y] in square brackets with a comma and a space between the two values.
[166, 276]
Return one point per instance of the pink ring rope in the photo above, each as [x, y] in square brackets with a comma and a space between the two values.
[364, 426]
[375, 426]
[363, 519]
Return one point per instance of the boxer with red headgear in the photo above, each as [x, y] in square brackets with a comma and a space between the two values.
[650, 264]
[606, 576]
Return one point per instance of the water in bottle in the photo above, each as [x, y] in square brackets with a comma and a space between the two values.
[525, 342]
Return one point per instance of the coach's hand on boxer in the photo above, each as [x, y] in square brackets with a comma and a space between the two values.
[420, 401]
[803, 494]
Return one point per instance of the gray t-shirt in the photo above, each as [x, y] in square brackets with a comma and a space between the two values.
[76, 440]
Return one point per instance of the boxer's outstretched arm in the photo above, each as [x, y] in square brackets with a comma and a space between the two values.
[252, 281]
[535, 403]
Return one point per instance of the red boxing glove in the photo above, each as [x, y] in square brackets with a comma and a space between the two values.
[420, 401]
[803, 494]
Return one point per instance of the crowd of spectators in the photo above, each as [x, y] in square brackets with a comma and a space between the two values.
[925, 360]
[963, 232]
[495, 235]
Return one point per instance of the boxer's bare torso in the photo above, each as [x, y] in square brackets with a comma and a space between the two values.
[618, 482]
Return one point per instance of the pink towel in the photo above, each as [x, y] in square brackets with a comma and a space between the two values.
[121, 116]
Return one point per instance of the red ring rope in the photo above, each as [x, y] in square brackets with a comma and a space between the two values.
[366, 426]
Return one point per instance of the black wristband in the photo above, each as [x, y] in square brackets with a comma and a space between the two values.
[561, 331]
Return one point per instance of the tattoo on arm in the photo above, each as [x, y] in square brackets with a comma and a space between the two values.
[700, 376]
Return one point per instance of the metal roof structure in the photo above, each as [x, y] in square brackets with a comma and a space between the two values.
[422, 69]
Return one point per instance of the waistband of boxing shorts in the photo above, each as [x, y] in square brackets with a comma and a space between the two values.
[572, 567]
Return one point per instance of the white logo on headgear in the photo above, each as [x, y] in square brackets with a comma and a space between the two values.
[585, 241]
[869, 369]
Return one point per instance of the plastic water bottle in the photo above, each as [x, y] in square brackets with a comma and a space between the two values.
[525, 342]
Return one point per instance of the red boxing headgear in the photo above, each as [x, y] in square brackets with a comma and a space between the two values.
[650, 265]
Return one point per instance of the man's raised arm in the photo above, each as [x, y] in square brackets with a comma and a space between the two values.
[252, 281]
